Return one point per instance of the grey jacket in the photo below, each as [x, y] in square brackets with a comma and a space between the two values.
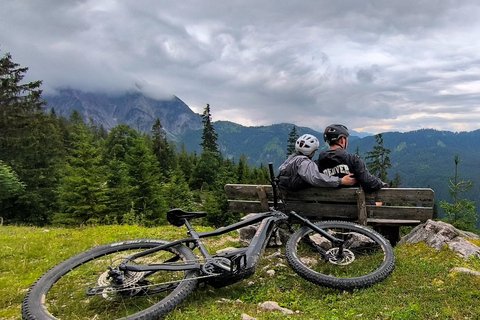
[300, 172]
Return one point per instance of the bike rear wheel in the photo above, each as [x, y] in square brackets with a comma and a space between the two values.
[367, 257]
[61, 292]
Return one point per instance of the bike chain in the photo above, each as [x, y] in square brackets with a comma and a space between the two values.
[105, 286]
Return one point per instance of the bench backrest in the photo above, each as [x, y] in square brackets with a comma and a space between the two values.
[407, 205]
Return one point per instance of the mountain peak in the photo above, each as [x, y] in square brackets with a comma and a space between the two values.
[132, 108]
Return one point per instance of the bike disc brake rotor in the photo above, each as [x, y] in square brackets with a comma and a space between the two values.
[129, 286]
[347, 257]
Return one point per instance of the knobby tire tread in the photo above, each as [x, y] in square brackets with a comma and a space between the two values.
[378, 275]
[32, 305]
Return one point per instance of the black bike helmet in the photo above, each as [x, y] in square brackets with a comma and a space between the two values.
[334, 132]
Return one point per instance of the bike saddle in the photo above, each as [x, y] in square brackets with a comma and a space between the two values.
[176, 216]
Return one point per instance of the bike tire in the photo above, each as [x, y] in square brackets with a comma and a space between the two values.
[369, 257]
[61, 292]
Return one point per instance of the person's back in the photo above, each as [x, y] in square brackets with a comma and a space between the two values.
[339, 163]
[300, 172]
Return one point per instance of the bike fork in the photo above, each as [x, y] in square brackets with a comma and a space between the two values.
[334, 240]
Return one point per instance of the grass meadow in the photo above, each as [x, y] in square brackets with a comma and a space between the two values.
[421, 287]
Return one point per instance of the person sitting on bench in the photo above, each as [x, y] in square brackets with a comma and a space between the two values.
[337, 162]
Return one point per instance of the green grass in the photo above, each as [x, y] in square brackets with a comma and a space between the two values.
[421, 287]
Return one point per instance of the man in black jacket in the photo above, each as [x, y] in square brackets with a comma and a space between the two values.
[339, 163]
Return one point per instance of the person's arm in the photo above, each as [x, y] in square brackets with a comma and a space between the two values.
[308, 170]
[368, 181]
[349, 180]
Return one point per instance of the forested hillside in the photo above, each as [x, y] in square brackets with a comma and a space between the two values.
[425, 158]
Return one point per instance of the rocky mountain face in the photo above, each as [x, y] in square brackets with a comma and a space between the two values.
[134, 109]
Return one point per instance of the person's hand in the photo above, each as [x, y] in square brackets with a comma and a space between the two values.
[349, 180]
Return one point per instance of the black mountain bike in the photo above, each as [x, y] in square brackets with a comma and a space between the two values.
[146, 279]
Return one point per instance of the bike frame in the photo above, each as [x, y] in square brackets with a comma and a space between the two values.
[268, 223]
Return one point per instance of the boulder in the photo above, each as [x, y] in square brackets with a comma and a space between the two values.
[438, 234]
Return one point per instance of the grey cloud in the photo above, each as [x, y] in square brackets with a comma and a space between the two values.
[368, 64]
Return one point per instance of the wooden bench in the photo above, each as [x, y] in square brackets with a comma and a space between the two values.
[385, 210]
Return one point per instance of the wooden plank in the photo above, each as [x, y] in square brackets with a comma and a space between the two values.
[246, 191]
[244, 206]
[400, 213]
[319, 210]
[415, 196]
[387, 222]
[344, 195]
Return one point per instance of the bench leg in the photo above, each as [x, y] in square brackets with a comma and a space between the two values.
[391, 233]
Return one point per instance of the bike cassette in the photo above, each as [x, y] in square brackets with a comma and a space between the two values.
[128, 287]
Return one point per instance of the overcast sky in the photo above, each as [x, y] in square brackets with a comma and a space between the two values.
[374, 66]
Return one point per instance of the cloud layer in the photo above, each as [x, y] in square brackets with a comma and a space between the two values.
[374, 66]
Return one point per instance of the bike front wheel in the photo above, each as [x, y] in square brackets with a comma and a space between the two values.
[364, 259]
[61, 293]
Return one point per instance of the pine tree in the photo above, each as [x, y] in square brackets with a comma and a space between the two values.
[378, 160]
[82, 191]
[292, 139]
[243, 171]
[144, 179]
[120, 140]
[177, 193]
[186, 161]
[29, 143]
[209, 137]
[460, 213]
[205, 171]
[162, 149]
[119, 202]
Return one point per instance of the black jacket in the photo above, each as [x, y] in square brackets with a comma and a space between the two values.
[340, 163]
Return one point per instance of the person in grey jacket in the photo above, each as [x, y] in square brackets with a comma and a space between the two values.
[300, 172]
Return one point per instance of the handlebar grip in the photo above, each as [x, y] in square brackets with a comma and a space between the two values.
[272, 174]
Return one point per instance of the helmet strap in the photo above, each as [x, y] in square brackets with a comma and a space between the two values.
[337, 144]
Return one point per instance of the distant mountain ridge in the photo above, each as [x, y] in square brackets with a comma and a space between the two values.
[423, 158]
[134, 109]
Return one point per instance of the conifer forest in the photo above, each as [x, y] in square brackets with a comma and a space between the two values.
[65, 171]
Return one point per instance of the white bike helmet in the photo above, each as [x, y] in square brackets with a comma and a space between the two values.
[307, 144]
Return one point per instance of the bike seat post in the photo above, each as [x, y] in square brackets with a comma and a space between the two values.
[198, 242]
